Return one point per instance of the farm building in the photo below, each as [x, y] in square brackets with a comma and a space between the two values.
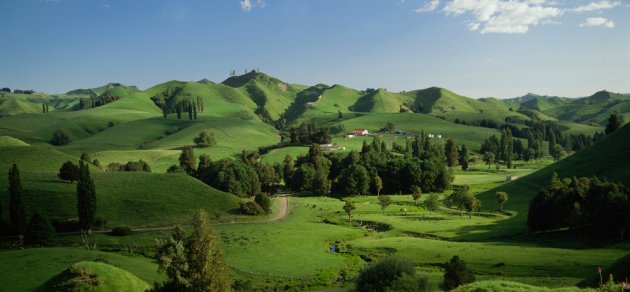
[360, 132]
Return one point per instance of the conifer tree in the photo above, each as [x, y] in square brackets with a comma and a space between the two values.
[16, 206]
[86, 197]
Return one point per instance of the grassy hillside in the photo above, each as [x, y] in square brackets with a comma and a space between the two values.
[29, 269]
[382, 101]
[507, 286]
[620, 270]
[606, 159]
[8, 141]
[94, 276]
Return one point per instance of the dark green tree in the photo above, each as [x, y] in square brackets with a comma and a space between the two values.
[416, 193]
[16, 206]
[450, 151]
[60, 137]
[613, 124]
[69, 171]
[432, 203]
[502, 197]
[463, 157]
[391, 274]
[187, 160]
[86, 157]
[262, 199]
[456, 274]
[86, 198]
[288, 170]
[39, 230]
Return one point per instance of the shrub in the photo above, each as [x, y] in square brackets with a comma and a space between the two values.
[175, 169]
[391, 274]
[251, 208]
[205, 139]
[121, 231]
[60, 137]
[39, 230]
[456, 274]
[262, 199]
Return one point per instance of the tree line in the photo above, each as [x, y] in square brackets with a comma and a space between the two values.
[585, 205]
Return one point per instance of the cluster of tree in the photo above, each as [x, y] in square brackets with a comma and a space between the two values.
[139, 165]
[44, 107]
[388, 128]
[506, 150]
[102, 100]
[195, 262]
[482, 123]
[21, 91]
[463, 200]
[264, 115]
[374, 170]
[614, 123]
[583, 204]
[307, 133]
[60, 137]
[5, 89]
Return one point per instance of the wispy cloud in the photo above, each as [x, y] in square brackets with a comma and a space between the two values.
[429, 6]
[597, 5]
[248, 5]
[507, 17]
[598, 21]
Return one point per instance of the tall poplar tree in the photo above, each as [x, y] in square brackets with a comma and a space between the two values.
[16, 206]
[86, 198]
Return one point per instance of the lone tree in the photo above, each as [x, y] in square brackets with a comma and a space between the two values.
[384, 201]
[187, 160]
[16, 206]
[416, 194]
[456, 274]
[613, 124]
[349, 207]
[432, 203]
[488, 158]
[378, 184]
[60, 137]
[205, 139]
[193, 263]
[69, 171]
[86, 198]
[502, 197]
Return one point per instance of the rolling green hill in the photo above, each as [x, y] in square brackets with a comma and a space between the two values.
[593, 110]
[382, 101]
[446, 104]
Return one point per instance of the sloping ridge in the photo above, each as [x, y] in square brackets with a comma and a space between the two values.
[594, 109]
[94, 276]
[382, 101]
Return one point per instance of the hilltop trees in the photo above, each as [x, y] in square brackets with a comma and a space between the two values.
[69, 171]
[205, 139]
[86, 198]
[16, 206]
[193, 263]
[60, 137]
[613, 124]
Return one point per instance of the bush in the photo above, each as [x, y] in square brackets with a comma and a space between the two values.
[456, 274]
[121, 231]
[205, 139]
[262, 199]
[60, 137]
[251, 208]
[39, 230]
[391, 274]
[175, 169]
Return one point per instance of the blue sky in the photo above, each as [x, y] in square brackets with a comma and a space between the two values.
[478, 48]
